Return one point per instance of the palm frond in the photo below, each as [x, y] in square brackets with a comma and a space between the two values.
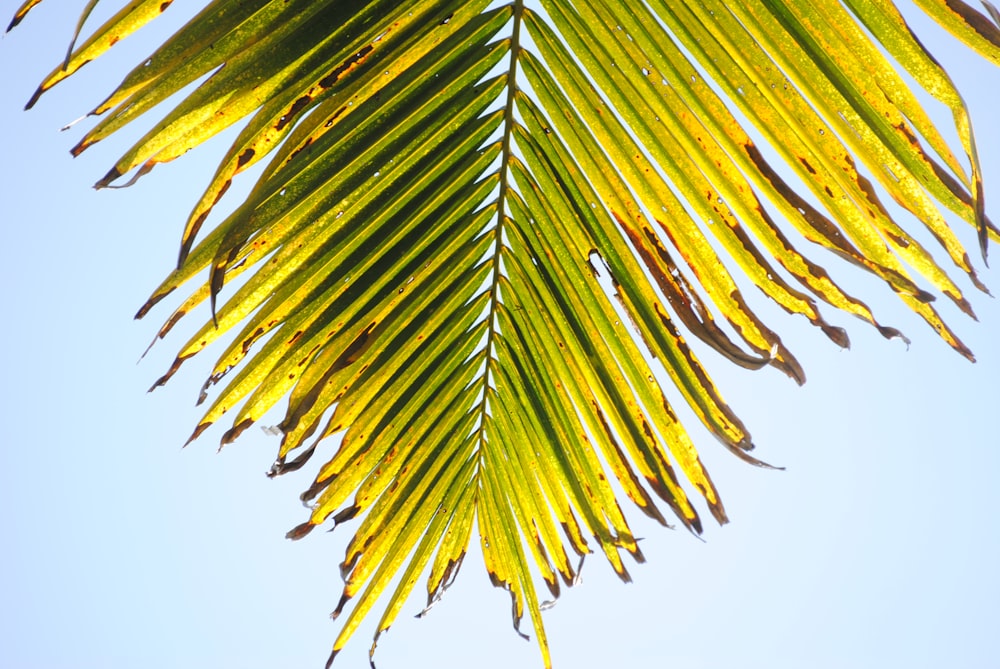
[448, 184]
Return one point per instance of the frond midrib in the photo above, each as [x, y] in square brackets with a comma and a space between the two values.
[504, 187]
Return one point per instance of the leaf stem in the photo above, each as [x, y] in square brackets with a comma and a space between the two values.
[504, 186]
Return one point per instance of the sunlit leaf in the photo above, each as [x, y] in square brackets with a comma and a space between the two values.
[479, 229]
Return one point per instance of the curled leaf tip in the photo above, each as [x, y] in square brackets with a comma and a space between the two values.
[517, 620]
[431, 602]
[346, 514]
[162, 381]
[892, 333]
[277, 468]
[299, 531]
[719, 512]
[344, 598]
[837, 335]
[34, 98]
[146, 168]
[235, 431]
[964, 306]
[112, 174]
[750, 460]
[197, 432]
[150, 303]
[72, 123]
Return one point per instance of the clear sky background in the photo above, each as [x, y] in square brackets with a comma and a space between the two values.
[877, 547]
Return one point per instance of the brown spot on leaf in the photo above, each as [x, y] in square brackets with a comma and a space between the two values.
[290, 115]
[330, 79]
[244, 158]
[248, 342]
[301, 148]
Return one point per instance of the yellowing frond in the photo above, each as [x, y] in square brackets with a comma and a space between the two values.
[479, 227]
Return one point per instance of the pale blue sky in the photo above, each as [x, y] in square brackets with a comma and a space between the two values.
[876, 548]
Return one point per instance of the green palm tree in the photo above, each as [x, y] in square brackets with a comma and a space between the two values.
[484, 229]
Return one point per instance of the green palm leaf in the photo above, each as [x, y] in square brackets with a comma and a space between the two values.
[482, 228]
